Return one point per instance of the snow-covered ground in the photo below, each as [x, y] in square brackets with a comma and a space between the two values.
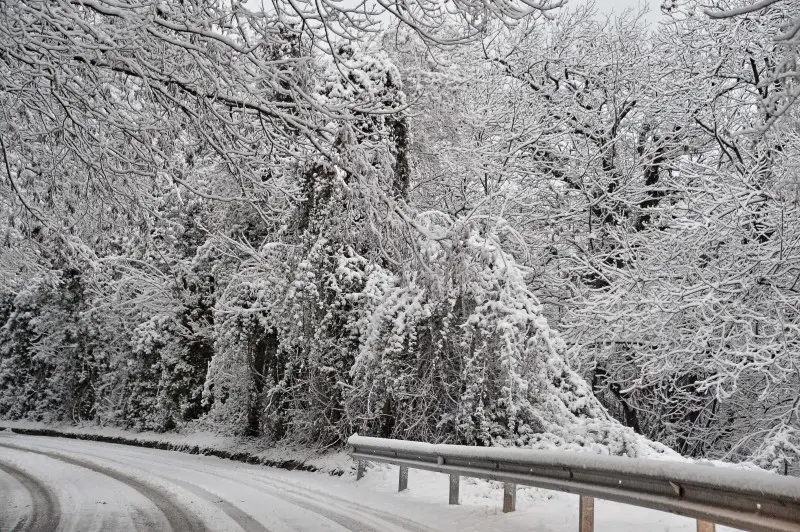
[201, 442]
[98, 486]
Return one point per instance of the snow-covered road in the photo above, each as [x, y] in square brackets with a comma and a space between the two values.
[85, 486]
[73, 485]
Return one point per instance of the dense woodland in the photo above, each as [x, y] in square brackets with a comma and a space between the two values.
[489, 223]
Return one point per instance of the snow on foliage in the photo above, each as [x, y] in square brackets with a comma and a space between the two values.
[282, 224]
[461, 353]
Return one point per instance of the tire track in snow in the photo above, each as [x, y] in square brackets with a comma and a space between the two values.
[179, 520]
[11, 509]
[243, 519]
[311, 499]
[278, 491]
[317, 499]
[45, 511]
[320, 503]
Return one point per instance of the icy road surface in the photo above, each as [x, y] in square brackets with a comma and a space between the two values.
[71, 485]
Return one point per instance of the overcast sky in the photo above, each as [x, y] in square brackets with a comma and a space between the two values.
[604, 6]
[618, 6]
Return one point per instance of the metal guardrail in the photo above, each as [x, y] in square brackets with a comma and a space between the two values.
[749, 500]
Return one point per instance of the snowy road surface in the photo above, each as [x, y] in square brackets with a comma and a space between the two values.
[72, 485]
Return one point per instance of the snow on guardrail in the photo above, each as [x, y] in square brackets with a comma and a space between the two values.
[750, 500]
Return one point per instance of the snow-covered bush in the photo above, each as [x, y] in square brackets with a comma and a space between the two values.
[461, 353]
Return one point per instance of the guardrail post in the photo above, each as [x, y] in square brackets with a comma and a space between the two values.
[586, 514]
[454, 480]
[362, 466]
[509, 497]
[403, 483]
[705, 526]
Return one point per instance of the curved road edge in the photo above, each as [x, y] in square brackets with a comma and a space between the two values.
[228, 454]
[179, 519]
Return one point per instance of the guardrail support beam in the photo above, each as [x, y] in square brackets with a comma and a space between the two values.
[509, 497]
[586, 515]
[705, 526]
[362, 467]
[402, 485]
[454, 481]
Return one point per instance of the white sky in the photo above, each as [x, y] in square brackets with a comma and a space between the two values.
[618, 6]
[604, 6]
